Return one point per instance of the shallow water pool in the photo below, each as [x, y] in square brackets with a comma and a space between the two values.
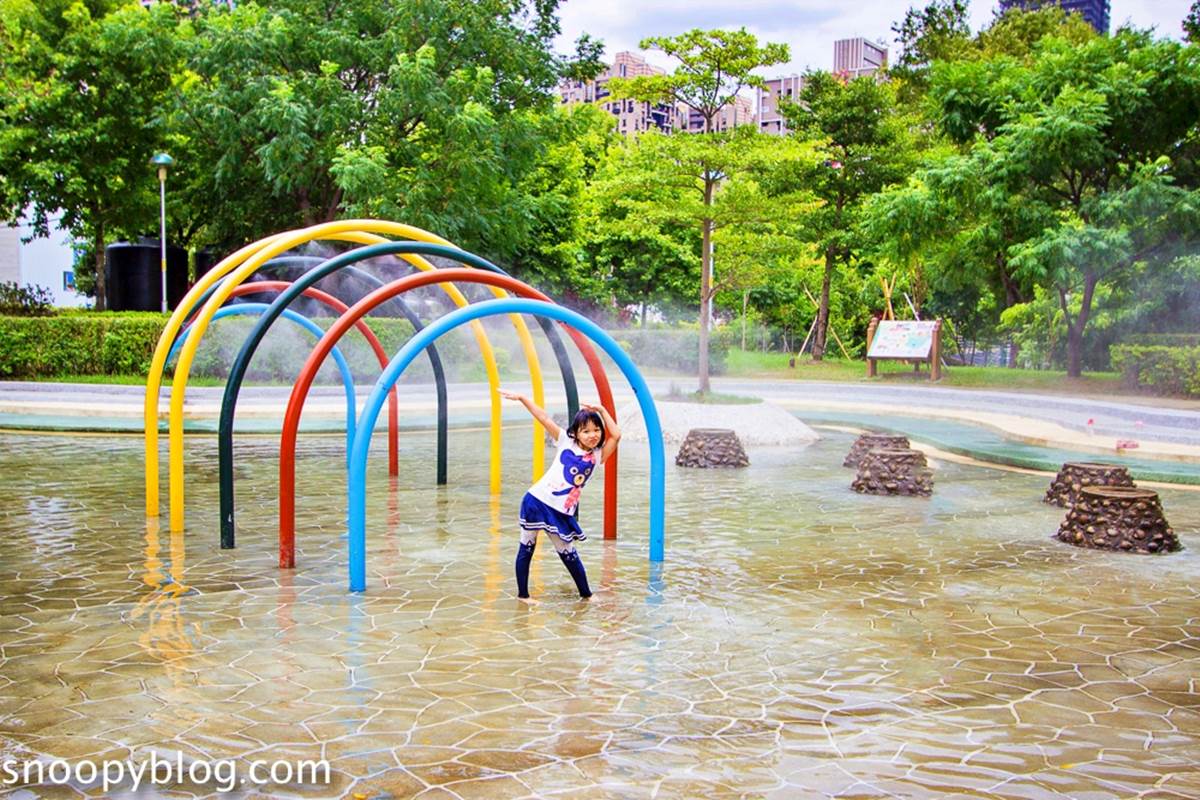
[799, 640]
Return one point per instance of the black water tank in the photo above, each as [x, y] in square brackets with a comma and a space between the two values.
[133, 275]
[206, 259]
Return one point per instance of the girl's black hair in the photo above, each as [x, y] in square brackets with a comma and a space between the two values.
[582, 417]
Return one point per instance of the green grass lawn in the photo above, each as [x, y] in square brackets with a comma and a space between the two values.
[754, 364]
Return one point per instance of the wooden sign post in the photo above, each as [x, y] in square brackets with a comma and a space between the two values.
[907, 340]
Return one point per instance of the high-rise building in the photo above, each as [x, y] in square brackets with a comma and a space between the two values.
[857, 57]
[852, 58]
[1095, 12]
[769, 97]
[632, 116]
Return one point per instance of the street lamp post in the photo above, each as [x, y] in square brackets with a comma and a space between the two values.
[162, 161]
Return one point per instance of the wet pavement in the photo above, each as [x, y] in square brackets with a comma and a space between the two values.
[799, 641]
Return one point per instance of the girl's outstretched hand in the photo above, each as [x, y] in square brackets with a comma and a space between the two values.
[510, 395]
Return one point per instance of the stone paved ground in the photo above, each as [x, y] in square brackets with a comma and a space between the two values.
[799, 641]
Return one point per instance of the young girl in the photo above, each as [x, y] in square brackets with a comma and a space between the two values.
[552, 504]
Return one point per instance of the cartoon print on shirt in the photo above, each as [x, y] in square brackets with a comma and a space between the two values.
[576, 471]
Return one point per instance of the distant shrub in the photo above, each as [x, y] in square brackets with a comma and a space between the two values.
[1163, 369]
[25, 301]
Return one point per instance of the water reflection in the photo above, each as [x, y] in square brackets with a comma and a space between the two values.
[800, 640]
[167, 636]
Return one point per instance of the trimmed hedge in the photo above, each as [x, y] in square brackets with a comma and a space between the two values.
[1163, 369]
[78, 344]
[122, 343]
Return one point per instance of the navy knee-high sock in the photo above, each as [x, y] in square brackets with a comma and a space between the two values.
[524, 556]
[574, 565]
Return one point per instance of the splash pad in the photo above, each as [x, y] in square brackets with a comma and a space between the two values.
[204, 303]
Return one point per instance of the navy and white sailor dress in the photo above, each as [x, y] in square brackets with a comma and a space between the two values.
[552, 504]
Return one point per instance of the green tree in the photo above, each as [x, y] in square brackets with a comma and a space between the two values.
[431, 112]
[953, 228]
[1191, 24]
[576, 142]
[714, 66]
[81, 89]
[1017, 31]
[951, 218]
[1084, 145]
[645, 258]
[759, 270]
[937, 32]
[865, 145]
[704, 183]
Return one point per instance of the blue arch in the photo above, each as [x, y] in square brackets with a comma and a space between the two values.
[304, 322]
[357, 478]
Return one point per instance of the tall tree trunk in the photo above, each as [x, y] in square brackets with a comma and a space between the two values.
[745, 299]
[819, 335]
[643, 314]
[98, 259]
[1012, 296]
[1076, 327]
[705, 282]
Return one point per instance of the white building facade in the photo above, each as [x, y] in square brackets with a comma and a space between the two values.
[48, 262]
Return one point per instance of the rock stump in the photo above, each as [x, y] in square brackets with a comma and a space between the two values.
[874, 441]
[711, 447]
[1118, 518]
[1075, 475]
[894, 471]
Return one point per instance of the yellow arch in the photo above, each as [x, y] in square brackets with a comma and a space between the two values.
[258, 253]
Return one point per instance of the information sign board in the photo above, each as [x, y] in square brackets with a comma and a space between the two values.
[903, 339]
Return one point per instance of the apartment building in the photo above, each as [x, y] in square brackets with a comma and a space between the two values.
[857, 57]
[852, 58]
[1095, 12]
[769, 97]
[632, 116]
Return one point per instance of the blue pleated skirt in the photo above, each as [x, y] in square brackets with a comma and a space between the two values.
[537, 516]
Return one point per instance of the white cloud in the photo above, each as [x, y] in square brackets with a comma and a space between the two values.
[808, 27]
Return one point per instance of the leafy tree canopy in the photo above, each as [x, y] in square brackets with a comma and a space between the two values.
[864, 143]
[82, 87]
[1084, 146]
[432, 112]
[714, 66]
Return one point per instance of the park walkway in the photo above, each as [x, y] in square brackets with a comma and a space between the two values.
[967, 421]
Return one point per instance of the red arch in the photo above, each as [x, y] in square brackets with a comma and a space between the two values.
[372, 340]
[291, 418]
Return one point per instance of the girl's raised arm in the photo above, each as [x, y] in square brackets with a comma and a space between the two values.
[538, 413]
[612, 433]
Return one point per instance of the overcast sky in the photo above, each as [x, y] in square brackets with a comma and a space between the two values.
[808, 27]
